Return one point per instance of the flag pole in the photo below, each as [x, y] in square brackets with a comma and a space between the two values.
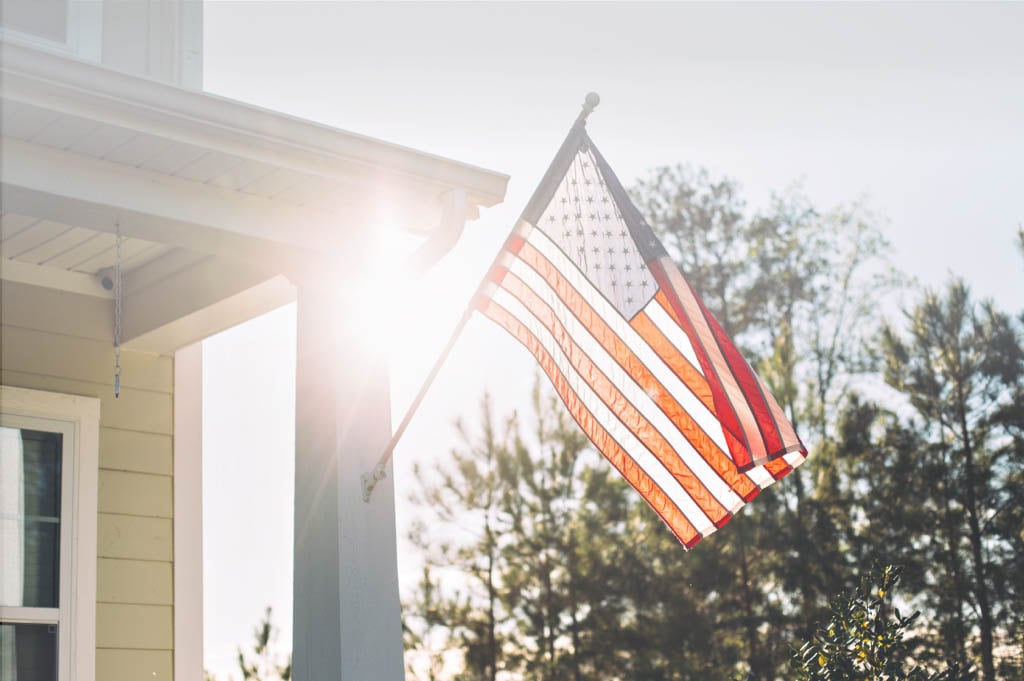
[379, 472]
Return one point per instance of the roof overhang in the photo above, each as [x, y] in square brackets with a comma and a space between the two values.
[245, 193]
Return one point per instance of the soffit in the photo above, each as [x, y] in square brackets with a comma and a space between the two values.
[92, 112]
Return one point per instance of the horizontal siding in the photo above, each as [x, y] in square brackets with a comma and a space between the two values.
[32, 307]
[140, 410]
[62, 342]
[140, 582]
[121, 625]
[131, 450]
[129, 493]
[113, 664]
[129, 536]
[83, 359]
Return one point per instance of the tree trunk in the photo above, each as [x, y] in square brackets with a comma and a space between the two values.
[981, 589]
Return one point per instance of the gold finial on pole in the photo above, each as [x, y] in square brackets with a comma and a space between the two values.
[590, 103]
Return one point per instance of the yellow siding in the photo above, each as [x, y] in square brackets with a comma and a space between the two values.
[134, 627]
[62, 342]
[127, 536]
[119, 664]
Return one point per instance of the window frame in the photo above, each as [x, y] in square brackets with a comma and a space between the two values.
[83, 31]
[77, 418]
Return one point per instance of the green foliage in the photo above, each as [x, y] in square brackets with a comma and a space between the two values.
[865, 640]
[542, 565]
[261, 662]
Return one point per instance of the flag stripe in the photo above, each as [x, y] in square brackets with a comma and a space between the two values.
[776, 431]
[661, 332]
[563, 276]
[650, 324]
[618, 360]
[731, 403]
[791, 441]
[530, 244]
[621, 396]
[619, 447]
[748, 383]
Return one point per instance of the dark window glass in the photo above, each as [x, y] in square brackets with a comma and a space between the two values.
[30, 491]
[28, 652]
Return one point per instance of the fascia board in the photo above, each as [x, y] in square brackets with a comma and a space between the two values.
[217, 123]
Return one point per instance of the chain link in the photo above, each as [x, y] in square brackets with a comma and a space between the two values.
[118, 302]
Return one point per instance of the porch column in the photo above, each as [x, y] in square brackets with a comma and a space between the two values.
[347, 617]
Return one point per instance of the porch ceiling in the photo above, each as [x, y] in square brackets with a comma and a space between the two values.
[204, 189]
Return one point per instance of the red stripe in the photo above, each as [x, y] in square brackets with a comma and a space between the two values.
[618, 403]
[634, 366]
[682, 368]
[739, 444]
[748, 383]
[670, 514]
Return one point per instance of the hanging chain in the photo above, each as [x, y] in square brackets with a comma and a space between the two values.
[118, 298]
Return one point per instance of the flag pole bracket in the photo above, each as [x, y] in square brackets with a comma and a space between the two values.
[370, 480]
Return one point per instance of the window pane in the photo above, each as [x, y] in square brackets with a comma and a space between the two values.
[30, 490]
[41, 456]
[28, 652]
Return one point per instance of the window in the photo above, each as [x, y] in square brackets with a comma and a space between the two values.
[48, 461]
[71, 27]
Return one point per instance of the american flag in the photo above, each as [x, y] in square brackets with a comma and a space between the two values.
[640, 363]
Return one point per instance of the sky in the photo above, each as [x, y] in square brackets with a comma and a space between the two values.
[915, 109]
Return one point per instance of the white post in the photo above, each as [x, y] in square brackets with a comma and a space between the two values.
[347, 615]
[188, 513]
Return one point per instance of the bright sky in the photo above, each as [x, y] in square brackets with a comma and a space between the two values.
[916, 107]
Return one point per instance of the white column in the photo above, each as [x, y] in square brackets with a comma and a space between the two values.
[347, 615]
[188, 513]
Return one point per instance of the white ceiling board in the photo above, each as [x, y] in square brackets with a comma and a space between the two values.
[312, 189]
[83, 252]
[22, 120]
[12, 223]
[62, 243]
[64, 132]
[137, 149]
[130, 248]
[275, 182]
[146, 256]
[239, 174]
[207, 166]
[173, 158]
[36, 235]
[101, 141]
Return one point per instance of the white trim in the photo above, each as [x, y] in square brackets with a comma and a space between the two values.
[83, 32]
[52, 277]
[214, 317]
[30, 615]
[144, 105]
[188, 513]
[79, 417]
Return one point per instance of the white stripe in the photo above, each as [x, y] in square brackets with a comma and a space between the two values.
[760, 477]
[630, 389]
[675, 335]
[668, 378]
[794, 459]
[622, 434]
[636, 343]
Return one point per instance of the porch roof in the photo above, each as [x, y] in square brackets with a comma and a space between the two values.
[215, 197]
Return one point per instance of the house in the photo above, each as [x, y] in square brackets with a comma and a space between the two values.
[214, 211]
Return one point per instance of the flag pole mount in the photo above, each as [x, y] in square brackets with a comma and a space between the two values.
[379, 472]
